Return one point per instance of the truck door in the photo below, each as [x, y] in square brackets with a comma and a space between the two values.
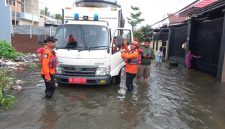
[119, 35]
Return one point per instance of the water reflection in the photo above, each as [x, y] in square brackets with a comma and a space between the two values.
[134, 105]
[129, 111]
[172, 99]
[49, 116]
[122, 86]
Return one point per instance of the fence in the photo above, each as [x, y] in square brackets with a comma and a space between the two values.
[25, 38]
[34, 30]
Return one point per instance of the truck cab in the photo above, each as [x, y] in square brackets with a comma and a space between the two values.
[88, 47]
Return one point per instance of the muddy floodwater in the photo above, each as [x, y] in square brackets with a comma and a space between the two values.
[171, 99]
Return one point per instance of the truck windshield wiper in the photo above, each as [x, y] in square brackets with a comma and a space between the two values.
[71, 48]
[59, 48]
[96, 47]
[80, 50]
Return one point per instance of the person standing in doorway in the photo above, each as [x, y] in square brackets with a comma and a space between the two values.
[131, 58]
[146, 57]
[49, 62]
[159, 56]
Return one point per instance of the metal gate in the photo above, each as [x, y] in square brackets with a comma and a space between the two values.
[179, 36]
[207, 45]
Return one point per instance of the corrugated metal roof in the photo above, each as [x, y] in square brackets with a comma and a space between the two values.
[203, 3]
[192, 8]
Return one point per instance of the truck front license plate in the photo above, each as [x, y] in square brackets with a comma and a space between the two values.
[77, 80]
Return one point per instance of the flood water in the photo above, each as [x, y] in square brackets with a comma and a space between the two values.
[171, 99]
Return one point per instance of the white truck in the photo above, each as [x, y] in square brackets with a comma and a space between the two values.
[94, 58]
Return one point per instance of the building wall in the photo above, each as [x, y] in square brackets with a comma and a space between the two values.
[27, 22]
[15, 6]
[5, 22]
[41, 21]
[32, 7]
[27, 12]
[222, 72]
[23, 43]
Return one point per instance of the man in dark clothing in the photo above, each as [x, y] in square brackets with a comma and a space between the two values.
[146, 57]
[72, 43]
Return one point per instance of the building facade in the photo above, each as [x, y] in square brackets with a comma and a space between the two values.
[5, 22]
[25, 12]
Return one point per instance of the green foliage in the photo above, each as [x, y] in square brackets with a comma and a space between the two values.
[6, 99]
[135, 19]
[7, 51]
[145, 33]
[58, 16]
[47, 13]
[139, 35]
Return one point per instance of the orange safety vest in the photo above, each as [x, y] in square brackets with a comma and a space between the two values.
[131, 61]
[48, 62]
[139, 51]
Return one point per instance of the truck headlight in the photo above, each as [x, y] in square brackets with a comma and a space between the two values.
[59, 69]
[102, 71]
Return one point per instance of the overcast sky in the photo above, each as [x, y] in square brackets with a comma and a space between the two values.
[152, 10]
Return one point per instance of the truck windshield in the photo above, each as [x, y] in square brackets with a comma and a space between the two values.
[82, 37]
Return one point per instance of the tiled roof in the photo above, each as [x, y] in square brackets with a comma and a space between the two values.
[192, 8]
[203, 3]
[175, 19]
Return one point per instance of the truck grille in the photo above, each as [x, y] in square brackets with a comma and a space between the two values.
[78, 71]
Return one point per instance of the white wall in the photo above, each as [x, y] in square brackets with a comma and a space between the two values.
[5, 22]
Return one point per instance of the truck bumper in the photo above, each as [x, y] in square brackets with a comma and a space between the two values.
[100, 80]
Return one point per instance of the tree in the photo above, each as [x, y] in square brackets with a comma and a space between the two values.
[145, 33]
[58, 16]
[47, 13]
[135, 19]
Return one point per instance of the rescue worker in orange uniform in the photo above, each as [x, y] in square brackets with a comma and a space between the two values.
[49, 62]
[131, 59]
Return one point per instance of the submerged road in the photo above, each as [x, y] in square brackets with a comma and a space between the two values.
[172, 99]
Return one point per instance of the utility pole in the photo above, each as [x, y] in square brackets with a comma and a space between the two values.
[31, 7]
[15, 10]
[32, 12]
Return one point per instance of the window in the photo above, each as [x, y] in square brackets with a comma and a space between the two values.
[11, 2]
[87, 37]
[14, 2]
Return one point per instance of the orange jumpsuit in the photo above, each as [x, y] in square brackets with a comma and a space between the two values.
[130, 68]
[45, 70]
[48, 72]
